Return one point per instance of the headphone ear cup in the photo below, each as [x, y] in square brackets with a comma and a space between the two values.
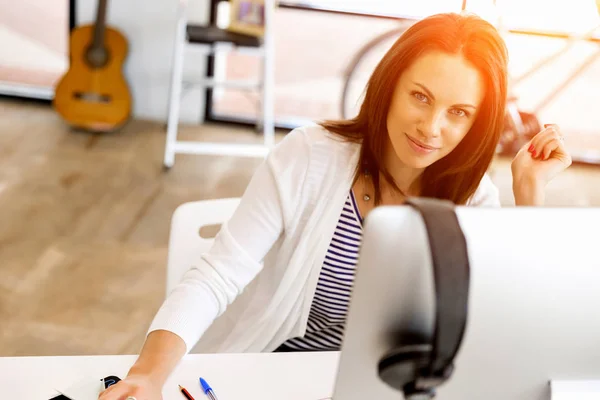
[400, 367]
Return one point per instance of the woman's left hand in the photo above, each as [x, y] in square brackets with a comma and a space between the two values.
[537, 163]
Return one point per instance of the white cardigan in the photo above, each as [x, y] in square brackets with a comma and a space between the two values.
[268, 256]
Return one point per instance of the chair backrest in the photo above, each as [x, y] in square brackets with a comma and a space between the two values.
[185, 241]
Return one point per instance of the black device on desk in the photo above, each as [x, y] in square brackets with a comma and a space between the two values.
[108, 382]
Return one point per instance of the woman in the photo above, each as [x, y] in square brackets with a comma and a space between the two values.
[429, 126]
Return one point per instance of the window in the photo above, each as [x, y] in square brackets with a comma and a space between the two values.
[34, 46]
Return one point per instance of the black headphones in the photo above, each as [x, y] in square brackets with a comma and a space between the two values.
[417, 365]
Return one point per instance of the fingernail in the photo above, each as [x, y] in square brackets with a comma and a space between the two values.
[530, 148]
[533, 153]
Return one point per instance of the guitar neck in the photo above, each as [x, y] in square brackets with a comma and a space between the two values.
[98, 41]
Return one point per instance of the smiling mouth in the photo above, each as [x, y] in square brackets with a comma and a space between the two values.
[420, 144]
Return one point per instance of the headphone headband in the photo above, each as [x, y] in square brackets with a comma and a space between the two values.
[423, 370]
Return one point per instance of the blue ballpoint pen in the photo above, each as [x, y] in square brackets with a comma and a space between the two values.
[207, 389]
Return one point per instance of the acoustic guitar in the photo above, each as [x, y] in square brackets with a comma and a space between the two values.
[93, 94]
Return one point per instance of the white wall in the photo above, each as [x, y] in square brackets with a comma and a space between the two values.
[149, 26]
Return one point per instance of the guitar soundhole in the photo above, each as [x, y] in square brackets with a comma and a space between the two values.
[93, 97]
[97, 57]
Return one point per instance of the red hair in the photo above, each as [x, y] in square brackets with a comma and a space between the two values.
[456, 176]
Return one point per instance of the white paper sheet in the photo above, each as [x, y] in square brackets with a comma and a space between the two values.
[575, 390]
[85, 389]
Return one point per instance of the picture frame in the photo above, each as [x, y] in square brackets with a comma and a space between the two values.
[247, 17]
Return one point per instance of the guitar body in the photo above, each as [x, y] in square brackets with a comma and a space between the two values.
[93, 94]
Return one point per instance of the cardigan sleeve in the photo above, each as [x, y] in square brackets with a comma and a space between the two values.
[215, 280]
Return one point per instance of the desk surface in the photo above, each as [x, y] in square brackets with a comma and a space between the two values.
[264, 376]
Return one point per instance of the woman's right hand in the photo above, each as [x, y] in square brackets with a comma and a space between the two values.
[139, 387]
[160, 354]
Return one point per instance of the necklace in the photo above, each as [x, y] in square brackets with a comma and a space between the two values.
[366, 196]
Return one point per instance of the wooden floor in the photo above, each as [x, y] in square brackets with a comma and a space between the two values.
[85, 222]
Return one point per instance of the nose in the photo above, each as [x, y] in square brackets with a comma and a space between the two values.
[431, 125]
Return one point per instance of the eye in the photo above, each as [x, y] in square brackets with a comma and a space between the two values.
[460, 112]
[421, 97]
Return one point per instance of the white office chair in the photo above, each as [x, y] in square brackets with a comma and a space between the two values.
[185, 243]
[214, 39]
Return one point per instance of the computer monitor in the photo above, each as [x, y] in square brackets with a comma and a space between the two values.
[534, 301]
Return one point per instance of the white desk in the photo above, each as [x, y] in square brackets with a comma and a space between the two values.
[265, 376]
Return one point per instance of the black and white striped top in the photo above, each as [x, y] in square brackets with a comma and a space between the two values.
[329, 309]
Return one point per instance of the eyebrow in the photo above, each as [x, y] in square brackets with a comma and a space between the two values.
[433, 97]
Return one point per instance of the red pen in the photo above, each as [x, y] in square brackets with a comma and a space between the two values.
[187, 394]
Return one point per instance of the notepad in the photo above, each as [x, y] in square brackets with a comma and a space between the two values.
[575, 389]
[84, 389]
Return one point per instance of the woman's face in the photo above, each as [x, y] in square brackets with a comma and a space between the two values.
[434, 105]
